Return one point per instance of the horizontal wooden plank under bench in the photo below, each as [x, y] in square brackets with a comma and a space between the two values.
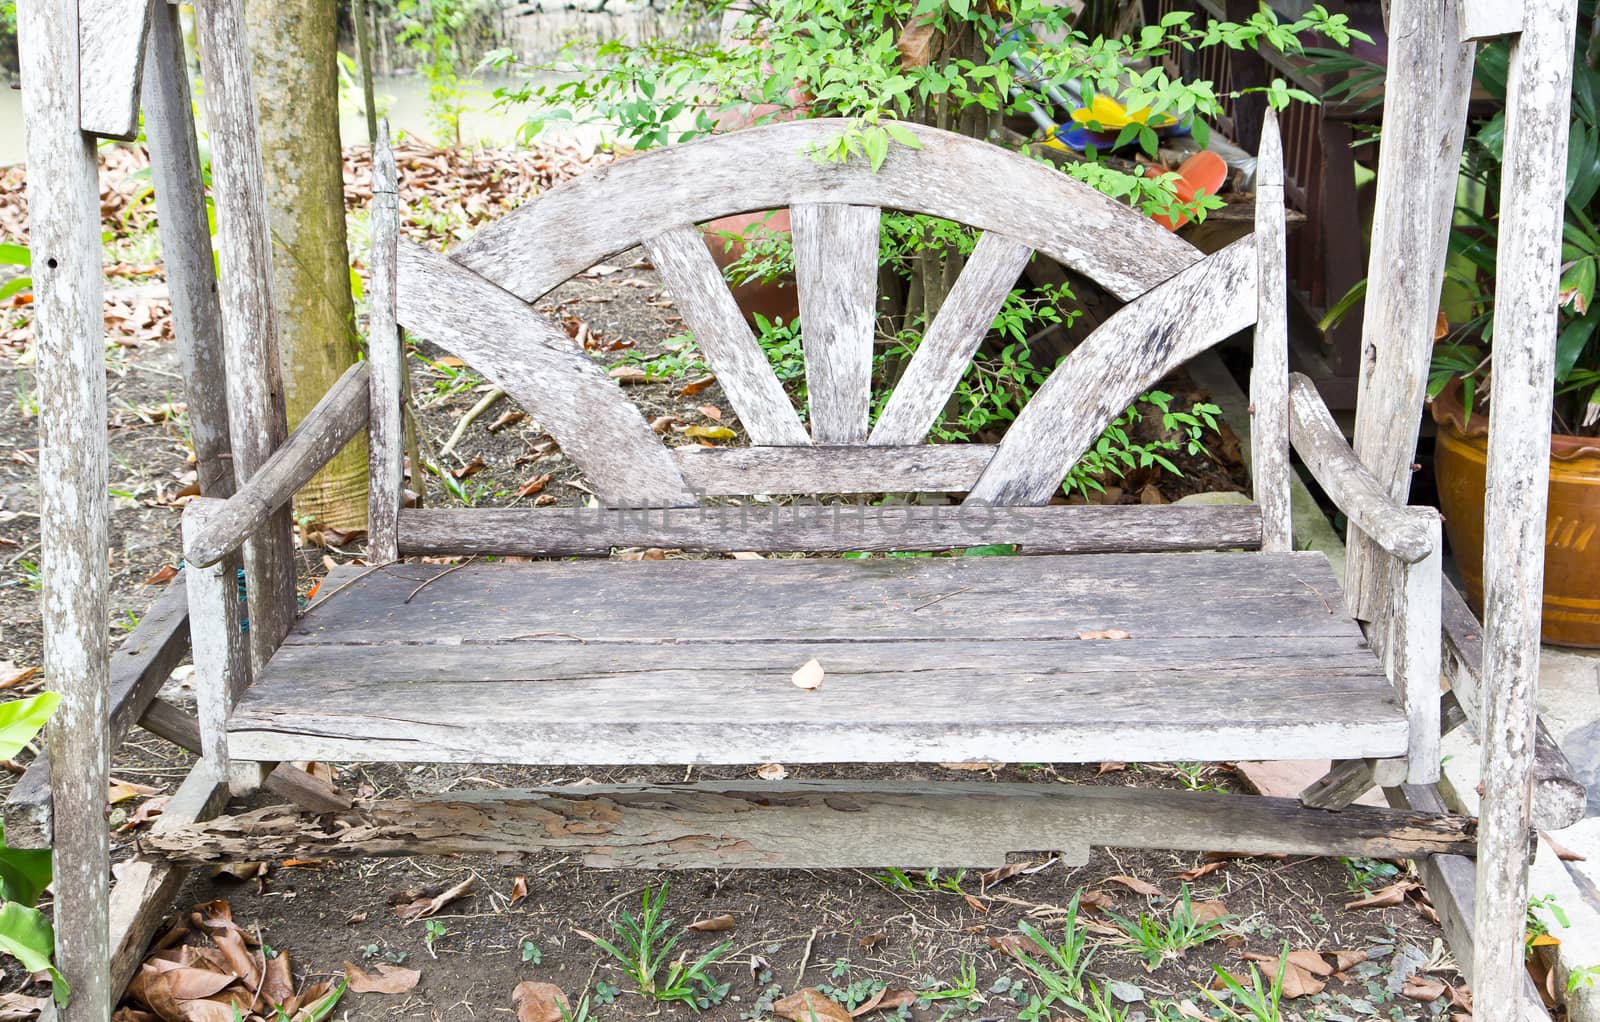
[925, 660]
[830, 528]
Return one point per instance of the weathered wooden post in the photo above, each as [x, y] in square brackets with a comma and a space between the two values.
[1538, 94]
[64, 233]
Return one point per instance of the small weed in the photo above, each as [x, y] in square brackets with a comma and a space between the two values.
[1060, 967]
[963, 990]
[581, 1015]
[605, 992]
[531, 953]
[31, 576]
[1250, 1003]
[1537, 927]
[1363, 875]
[433, 930]
[1583, 977]
[1159, 941]
[643, 945]
[680, 359]
[1193, 775]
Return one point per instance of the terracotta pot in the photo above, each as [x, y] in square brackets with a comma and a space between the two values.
[775, 300]
[1572, 531]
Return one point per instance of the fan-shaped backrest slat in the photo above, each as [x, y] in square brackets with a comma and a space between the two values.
[921, 468]
[608, 211]
[1139, 344]
[836, 271]
[949, 344]
[540, 367]
[685, 264]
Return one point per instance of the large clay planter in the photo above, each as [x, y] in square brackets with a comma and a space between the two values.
[776, 299]
[1572, 531]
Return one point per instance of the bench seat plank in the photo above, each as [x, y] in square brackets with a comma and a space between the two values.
[926, 660]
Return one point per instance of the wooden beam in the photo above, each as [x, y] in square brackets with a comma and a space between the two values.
[111, 54]
[1269, 369]
[386, 476]
[1481, 20]
[1539, 83]
[186, 249]
[222, 668]
[340, 415]
[915, 468]
[136, 674]
[64, 233]
[257, 418]
[723, 824]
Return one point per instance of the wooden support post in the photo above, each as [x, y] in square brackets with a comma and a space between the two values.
[1539, 85]
[1269, 371]
[222, 668]
[1424, 119]
[249, 324]
[363, 23]
[186, 249]
[111, 59]
[1415, 652]
[64, 232]
[386, 430]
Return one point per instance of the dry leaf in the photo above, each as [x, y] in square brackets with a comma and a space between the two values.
[1343, 960]
[694, 387]
[1006, 872]
[629, 374]
[510, 418]
[391, 979]
[539, 1002]
[1298, 981]
[1113, 634]
[1208, 911]
[1310, 961]
[519, 889]
[772, 772]
[422, 908]
[715, 924]
[1110, 767]
[1136, 885]
[969, 766]
[916, 42]
[974, 904]
[886, 1000]
[470, 469]
[11, 676]
[808, 1005]
[1563, 853]
[809, 676]
[711, 412]
[1394, 894]
[148, 810]
[534, 485]
[20, 1007]
[122, 791]
[872, 940]
[1420, 988]
[710, 433]
[162, 575]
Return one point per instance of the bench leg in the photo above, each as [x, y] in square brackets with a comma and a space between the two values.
[221, 653]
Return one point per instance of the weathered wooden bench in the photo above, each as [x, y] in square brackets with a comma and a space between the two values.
[1236, 645]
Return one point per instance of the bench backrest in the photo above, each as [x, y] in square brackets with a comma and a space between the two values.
[476, 302]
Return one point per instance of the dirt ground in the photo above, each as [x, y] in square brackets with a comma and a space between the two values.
[848, 933]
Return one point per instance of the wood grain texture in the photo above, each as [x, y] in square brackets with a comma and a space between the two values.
[539, 366]
[222, 667]
[1269, 368]
[1425, 117]
[948, 345]
[952, 176]
[143, 896]
[185, 232]
[1415, 665]
[836, 272]
[586, 661]
[1559, 798]
[730, 348]
[806, 824]
[324, 431]
[256, 414]
[919, 468]
[111, 54]
[386, 478]
[64, 236]
[829, 528]
[1480, 20]
[137, 671]
[1346, 481]
[1136, 346]
[1517, 484]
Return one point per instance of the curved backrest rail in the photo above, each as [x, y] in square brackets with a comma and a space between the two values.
[1128, 353]
[610, 210]
[951, 341]
[709, 310]
[915, 468]
[836, 273]
[541, 369]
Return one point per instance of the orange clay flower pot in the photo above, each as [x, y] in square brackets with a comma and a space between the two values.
[1572, 530]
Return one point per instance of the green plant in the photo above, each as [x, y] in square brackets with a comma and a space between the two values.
[433, 931]
[963, 989]
[1537, 926]
[435, 31]
[1060, 969]
[645, 942]
[12, 254]
[1159, 940]
[1363, 875]
[1251, 1003]
[25, 932]
[531, 953]
[1583, 977]
[32, 575]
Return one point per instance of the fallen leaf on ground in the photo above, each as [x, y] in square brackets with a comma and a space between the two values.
[391, 979]
[539, 1002]
[711, 412]
[1343, 960]
[148, 810]
[710, 433]
[1421, 988]
[872, 940]
[1208, 911]
[809, 676]
[1009, 943]
[1113, 634]
[1110, 768]
[772, 771]
[1563, 853]
[1298, 979]
[1136, 885]
[1006, 872]
[510, 418]
[715, 924]
[969, 766]
[519, 889]
[470, 469]
[162, 575]
[885, 1000]
[1394, 894]
[122, 791]
[422, 908]
[662, 423]
[810, 1005]
[694, 387]
[1200, 870]
[19, 1007]
[534, 485]
[11, 676]
[629, 374]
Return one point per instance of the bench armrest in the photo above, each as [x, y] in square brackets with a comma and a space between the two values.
[340, 415]
[1403, 532]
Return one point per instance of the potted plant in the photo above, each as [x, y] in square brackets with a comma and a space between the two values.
[1462, 380]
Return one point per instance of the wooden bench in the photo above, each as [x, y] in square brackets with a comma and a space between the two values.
[1236, 645]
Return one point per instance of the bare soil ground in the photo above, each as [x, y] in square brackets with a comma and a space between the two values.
[946, 937]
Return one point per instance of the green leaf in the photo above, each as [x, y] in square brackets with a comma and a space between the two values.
[1574, 338]
[902, 134]
[25, 934]
[992, 550]
[15, 286]
[21, 720]
[24, 873]
[15, 255]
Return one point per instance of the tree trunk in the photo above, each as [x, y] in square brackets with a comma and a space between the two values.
[294, 46]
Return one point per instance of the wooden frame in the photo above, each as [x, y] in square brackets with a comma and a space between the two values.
[81, 69]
